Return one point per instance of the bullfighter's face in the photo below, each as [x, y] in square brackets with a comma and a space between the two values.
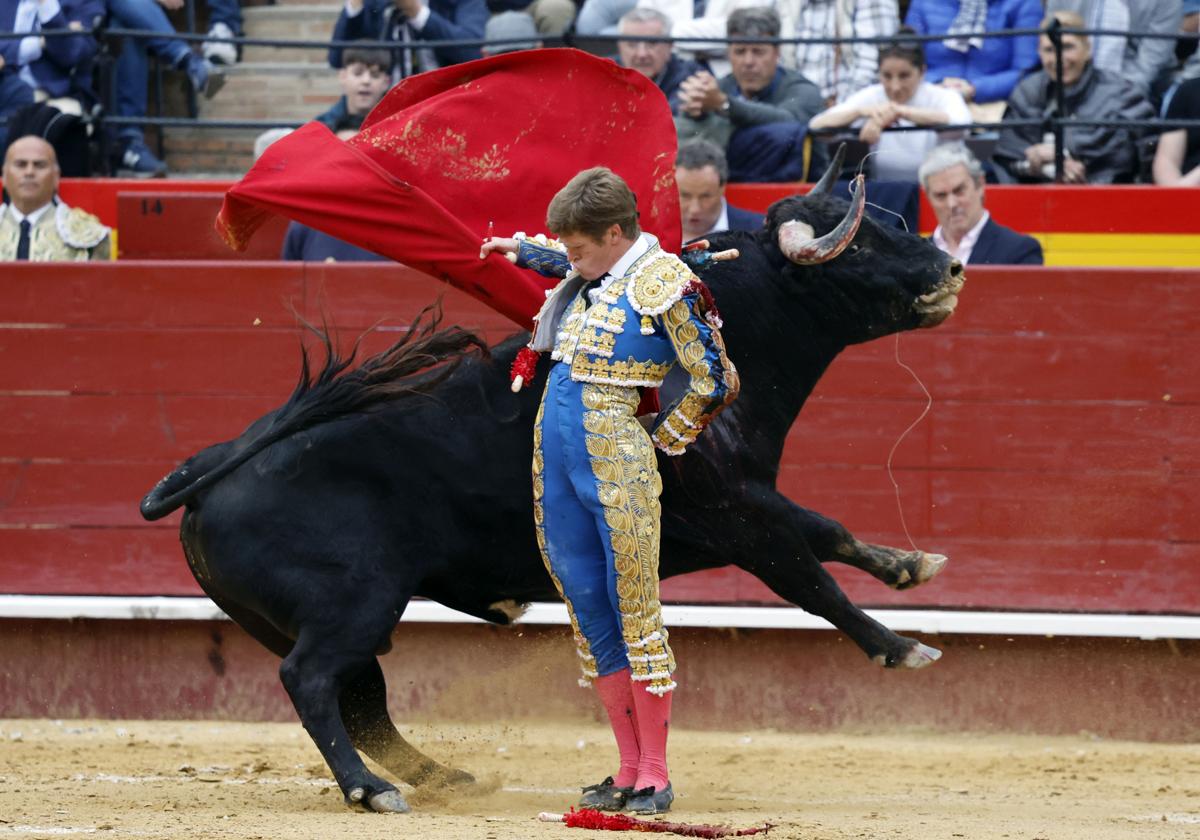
[592, 258]
[30, 173]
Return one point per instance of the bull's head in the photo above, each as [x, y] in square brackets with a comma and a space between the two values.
[891, 280]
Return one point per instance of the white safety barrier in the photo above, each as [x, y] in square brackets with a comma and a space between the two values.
[772, 618]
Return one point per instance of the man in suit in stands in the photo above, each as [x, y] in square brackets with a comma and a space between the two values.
[34, 225]
[952, 178]
[701, 173]
[414, 22]
[654, 59]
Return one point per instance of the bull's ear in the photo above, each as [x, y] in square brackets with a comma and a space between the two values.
[825, 185]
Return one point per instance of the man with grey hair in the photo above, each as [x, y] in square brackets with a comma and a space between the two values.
[654, 59]
[952, 178]
[760, 96]
[701, 173]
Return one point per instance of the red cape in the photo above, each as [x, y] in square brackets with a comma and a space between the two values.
[447, 152]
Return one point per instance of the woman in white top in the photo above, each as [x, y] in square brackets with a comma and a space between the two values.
[902, 98]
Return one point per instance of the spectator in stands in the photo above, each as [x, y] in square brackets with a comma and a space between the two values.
[508, 25]
[224, 21]
[1177, 159]
[654, 59]
[38, 69]
[1094, 155]
[1186, 49]
[690, 19]
[901, 98]
[1145, 62]
[551, 17]
[364, 78]
[33, 224]
[133, 71]
[837, 69]
[983, 70]
[701, 173]
[952, 178]
[413, 22]
[757, 113]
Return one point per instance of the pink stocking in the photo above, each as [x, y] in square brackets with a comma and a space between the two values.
[616, 694]
[653, 722]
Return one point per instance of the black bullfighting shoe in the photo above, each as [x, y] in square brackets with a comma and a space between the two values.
[605, 796]
[651, 801]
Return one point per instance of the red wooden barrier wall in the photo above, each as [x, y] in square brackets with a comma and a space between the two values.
[1059, 467]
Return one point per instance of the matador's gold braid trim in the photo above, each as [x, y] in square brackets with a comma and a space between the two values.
[657, 284]
[704, 399]
[587, 662]
[628, 486]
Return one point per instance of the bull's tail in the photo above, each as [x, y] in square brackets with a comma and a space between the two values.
[202, 470]
[415, 364]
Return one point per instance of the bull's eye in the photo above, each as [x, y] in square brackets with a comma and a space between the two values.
[853, 249]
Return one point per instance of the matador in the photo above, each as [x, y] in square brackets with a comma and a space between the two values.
[624, 314]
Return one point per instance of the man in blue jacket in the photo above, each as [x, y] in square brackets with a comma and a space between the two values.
[413, 22]
[952, 178]
[52, 67]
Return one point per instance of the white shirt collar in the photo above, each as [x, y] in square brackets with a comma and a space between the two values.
[966, 245]
[32, 217]
[639, 247]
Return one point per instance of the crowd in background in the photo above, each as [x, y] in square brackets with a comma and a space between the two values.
[755, 110]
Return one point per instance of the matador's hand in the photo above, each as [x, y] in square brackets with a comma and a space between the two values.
[501, 245]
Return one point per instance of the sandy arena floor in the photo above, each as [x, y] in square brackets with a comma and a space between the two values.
[231, 780]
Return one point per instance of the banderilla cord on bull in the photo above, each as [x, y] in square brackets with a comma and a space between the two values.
[903, 435]
[912, 373]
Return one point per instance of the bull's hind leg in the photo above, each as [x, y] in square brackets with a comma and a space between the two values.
[831, 542]
[319, 668]
[781, 557]
[364, 711]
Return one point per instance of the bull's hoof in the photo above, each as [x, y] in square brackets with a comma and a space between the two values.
[924, 567]
[917, 656]
[388, 802]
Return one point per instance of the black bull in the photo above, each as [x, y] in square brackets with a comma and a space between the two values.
[404, 478]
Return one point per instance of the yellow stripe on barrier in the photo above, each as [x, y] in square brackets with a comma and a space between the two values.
[1162, 250]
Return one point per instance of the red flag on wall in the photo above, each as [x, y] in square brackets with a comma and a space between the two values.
[449, 151]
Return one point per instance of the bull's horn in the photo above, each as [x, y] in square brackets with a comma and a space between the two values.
[825, 185]
[798, 241]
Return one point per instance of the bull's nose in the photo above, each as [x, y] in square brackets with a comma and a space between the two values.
[956, 267]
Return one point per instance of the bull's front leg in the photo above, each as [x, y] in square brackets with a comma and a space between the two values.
[832, 543]
[779, 554]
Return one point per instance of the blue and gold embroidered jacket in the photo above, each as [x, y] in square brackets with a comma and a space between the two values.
[633, 331]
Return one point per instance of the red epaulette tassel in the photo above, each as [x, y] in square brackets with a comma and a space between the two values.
[524, 367]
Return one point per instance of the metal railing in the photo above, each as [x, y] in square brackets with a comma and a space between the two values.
[1053, 124]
